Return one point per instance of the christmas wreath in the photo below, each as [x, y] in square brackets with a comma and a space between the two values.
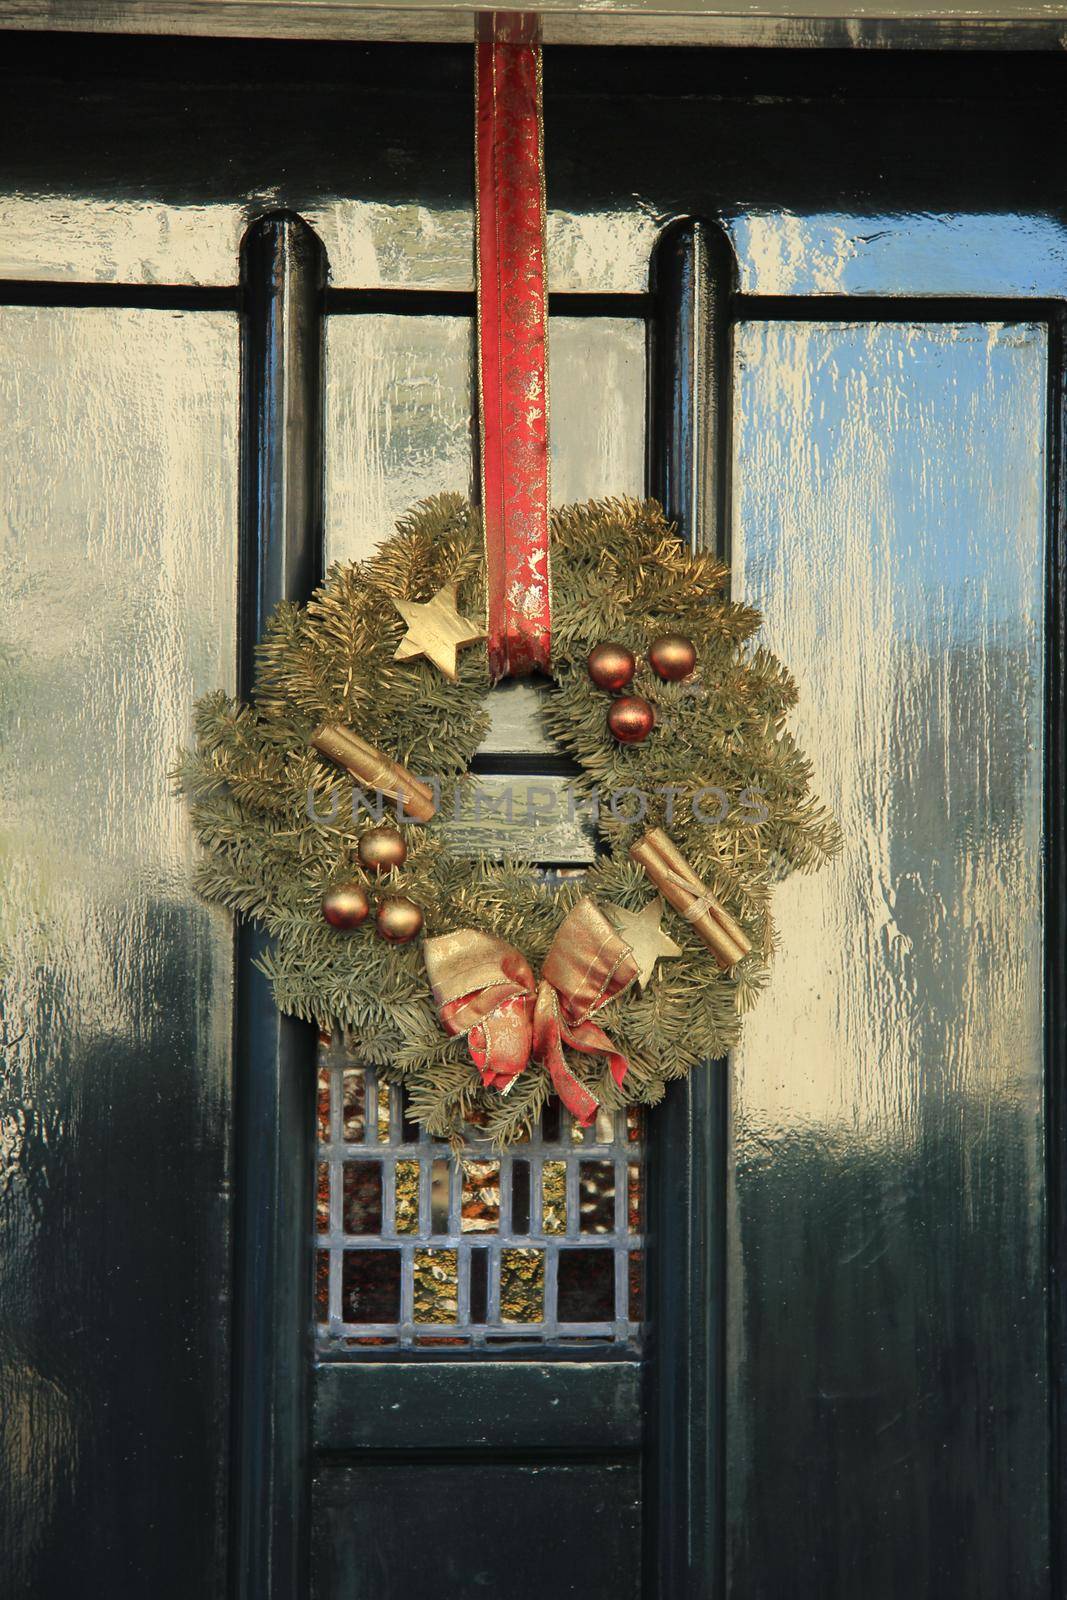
[483, 986]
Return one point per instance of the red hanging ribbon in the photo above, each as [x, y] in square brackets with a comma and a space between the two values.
[512, 341]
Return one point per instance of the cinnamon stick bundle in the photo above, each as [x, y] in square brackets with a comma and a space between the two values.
[675, 879]
[374, 770]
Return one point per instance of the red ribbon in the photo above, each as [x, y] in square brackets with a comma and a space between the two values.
[486, 989]
[512, 341]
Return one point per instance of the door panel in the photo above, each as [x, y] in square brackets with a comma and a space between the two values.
[400, 427]
[398, 422]
[835, 171]
[118, 461]
[475, 1523]
[968, 252]
[888, 1216]
[886, 1396]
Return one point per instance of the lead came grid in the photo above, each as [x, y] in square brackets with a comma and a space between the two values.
[418, 1247]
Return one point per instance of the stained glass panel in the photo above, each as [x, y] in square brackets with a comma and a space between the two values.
[419, 1246]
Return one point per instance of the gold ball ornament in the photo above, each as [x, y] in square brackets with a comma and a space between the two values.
[672, 656]
[399, 920]
[611, 666]
[346, 906]
[382, 850]
[631, 719]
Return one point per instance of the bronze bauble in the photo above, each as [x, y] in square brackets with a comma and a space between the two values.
[346, 906]
[399, 920]
[611, 666]
[382, 850]
[631, 719]
[673, 656]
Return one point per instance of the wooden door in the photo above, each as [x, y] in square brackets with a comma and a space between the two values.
[236, 325]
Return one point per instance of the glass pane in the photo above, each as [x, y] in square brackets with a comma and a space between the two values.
[398, 408]
[635, 1279]
[554, 1197]
[322, 1199]
[633, 1197]
[322, 1285]
[605, 1126]
[520, 1197]
[586, 1286]
[436, 1286]
[596, 1197]
[479, 1285]
[440, 1195]
[597, 448]
[383, 1109]
[481, 1196]
[370, 1285]
[406, 1179]
[522, 1285]
[354, 1109]
[322, 1106]
[888, 1108]
[362, 1197]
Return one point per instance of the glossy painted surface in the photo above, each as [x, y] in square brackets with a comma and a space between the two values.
[684, 1491]
[398, 418]
[1010, 254]
[886, 1425]
[399, 397]
[888, 1364]
[118, 488]
[373, 148]
[475, 1534]
[282, 273]
[570, 1407]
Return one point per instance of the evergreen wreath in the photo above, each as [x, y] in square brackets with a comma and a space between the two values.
[262, 801]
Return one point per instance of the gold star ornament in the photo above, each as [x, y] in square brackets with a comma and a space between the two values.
[642, 932]
[436, 630]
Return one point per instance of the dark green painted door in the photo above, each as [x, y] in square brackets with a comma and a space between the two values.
[849, 1380]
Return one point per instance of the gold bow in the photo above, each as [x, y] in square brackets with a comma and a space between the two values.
[485, 988]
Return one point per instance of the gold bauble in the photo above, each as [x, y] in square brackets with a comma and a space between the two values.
[382, 850]
[346, 906]
[399, 920]
[672, 656]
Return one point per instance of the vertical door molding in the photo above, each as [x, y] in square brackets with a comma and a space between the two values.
[1056, 938]
[689, 443]
[283, 273]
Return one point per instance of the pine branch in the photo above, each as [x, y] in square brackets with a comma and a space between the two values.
[277, 826]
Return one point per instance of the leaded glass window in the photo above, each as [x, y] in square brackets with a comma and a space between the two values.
[419, 1247]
